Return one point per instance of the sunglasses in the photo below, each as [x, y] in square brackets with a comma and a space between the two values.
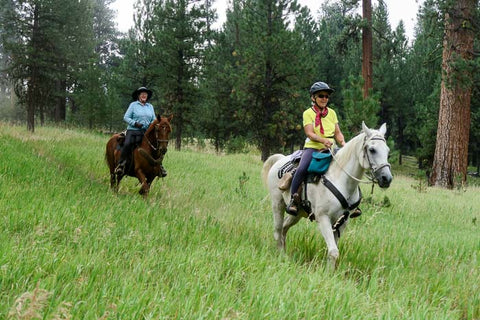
[321, 96]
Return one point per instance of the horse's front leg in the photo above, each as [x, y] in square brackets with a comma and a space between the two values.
[289, 222]
[143, 180]
[325, 228]
[113, 181]
[117, 177]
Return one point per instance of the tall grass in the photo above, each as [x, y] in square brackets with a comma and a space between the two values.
[201, 246]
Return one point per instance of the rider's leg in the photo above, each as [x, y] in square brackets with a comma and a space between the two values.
[126, 151]
[297, 180]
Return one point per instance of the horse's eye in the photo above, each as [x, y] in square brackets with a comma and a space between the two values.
[372, 150]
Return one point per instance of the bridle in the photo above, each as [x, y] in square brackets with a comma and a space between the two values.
[373, 168]
[158, 141]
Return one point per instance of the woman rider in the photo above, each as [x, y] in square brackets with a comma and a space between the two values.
[321, 127]
[139, 116]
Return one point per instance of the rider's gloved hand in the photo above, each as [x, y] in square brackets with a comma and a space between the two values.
[138, 125]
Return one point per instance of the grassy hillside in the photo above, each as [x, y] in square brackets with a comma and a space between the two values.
[201, 246]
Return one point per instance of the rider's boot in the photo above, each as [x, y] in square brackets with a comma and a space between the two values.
[120, 169]
[292, 207]
[163, 172]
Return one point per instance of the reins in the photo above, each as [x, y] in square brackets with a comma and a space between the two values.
[348, 174]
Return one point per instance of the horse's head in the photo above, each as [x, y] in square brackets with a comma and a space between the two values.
[375, 155]
[159, 132]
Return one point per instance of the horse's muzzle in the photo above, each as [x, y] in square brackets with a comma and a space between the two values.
[384, 177]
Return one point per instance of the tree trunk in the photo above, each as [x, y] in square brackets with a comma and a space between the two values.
[32, 88]
[31, 105]
[178, 136]
[264, 149]
[61, 105]
[267, 99]
[179, 99]
[367, 48]
[451, 151]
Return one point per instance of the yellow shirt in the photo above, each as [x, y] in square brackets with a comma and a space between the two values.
[328, 124]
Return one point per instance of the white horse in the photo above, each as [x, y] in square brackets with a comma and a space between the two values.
[366, 151]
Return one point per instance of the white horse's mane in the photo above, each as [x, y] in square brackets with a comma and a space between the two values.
[349, 150]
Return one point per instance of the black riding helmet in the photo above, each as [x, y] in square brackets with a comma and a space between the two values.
[140, 90]
[320, 86]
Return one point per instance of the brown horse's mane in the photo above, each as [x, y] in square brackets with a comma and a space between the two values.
[151, 126]
[166, 121]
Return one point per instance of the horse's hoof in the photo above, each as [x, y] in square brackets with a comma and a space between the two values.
[331, 265]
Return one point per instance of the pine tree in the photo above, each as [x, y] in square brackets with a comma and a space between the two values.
[391, 79]
[49, 43]
[174, 35]
[272, 64]
[451, 152]
[422, 75]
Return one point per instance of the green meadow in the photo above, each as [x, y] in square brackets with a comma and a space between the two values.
[201, 245]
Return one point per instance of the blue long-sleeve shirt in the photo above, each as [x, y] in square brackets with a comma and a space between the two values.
[140, 113]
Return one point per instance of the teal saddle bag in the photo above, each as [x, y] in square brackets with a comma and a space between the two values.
[320, 162]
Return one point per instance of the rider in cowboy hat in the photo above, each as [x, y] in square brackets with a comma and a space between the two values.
[139, 116]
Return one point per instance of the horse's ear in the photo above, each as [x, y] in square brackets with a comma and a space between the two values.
[159, 116]
[365, 128]
[383, 129]
[170, 117]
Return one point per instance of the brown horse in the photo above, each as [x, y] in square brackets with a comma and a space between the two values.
[147, 158]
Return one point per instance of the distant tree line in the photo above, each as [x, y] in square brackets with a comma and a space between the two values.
[244, 83]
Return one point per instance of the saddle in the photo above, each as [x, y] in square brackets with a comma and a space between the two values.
[318, 167]
[121, 139]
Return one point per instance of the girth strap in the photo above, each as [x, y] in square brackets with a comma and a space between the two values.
[330, 186]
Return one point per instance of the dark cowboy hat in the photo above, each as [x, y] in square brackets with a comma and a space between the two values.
[140, 90]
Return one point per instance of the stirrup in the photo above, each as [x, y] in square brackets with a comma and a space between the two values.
[356, 213]
[120, 169]
[292, 209]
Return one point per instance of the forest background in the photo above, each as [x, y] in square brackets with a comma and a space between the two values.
[243, 84]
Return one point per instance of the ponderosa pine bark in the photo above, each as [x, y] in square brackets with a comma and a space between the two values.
[451, 151]
[367, 68]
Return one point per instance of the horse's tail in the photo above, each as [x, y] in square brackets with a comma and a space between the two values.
[110, 151]
[268, 165]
